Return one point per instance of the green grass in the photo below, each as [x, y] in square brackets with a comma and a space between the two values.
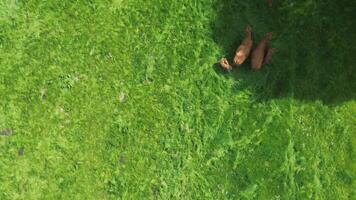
[122, 99]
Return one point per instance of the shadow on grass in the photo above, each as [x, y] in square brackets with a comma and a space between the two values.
[315, 44]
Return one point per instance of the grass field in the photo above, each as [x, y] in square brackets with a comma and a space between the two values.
[122, 99]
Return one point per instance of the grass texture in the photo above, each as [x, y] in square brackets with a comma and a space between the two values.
[122, 99]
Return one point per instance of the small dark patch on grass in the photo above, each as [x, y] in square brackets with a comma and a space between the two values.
[43, 94]
[155, 190]
[21, 151]
[6, 132]
[122, 160]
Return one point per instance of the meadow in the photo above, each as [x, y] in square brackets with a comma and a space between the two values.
[123, 99]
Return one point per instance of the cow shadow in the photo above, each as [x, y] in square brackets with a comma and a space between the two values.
[315, 54]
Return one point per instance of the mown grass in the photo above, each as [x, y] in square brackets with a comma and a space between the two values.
[121, 100]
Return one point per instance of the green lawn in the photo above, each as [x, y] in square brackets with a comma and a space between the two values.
[122, 99]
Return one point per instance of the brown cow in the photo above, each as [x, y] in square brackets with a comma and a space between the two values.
[244, 49]
[225, 64]
[258, 55]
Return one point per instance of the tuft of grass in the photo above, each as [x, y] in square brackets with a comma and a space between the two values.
[122, 100]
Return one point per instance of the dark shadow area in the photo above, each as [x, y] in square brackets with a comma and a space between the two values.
[315, 42]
